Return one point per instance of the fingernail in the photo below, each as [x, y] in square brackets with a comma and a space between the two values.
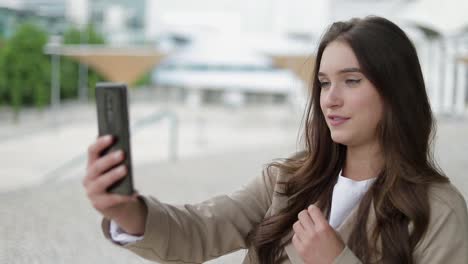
[118, 154]
[121, 169]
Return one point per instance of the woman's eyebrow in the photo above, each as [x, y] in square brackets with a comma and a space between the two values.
[345, 70]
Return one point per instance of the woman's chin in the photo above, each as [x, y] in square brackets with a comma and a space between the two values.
[340, 139]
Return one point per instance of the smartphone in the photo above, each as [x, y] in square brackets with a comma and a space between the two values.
[112, 115]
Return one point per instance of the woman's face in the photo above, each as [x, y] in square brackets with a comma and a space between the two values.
[349, 101]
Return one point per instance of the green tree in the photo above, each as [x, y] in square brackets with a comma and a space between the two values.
[70, 68]
[25, 68]
[3, 87]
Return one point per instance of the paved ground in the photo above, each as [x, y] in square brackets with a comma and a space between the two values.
[54, 223]
[451, 151]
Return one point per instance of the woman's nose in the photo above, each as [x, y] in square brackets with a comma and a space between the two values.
[333, 97]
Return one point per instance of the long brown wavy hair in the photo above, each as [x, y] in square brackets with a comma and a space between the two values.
[406, 131]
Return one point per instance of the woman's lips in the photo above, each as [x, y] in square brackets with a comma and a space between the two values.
[336, 121]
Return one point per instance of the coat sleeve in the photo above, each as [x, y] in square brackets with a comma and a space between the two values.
[195, 233]
[446, 240]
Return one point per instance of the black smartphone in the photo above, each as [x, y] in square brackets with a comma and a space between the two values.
[113, 119]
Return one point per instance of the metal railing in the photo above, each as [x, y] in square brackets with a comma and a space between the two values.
[136, 127]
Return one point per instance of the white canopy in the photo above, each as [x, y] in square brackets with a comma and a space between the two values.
[276, 81]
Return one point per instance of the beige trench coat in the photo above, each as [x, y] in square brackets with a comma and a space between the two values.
[200, 232]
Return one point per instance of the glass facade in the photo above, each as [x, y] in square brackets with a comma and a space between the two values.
[132, 26]
[51, 15]
[53, 22]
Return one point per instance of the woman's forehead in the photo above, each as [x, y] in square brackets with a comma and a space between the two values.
[338, 58]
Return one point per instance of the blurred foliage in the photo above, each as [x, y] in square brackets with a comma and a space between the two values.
[24, 69]
[69, 68]
[144, 80]
[3, 88]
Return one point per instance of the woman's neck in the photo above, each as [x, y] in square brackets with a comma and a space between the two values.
[363, 162]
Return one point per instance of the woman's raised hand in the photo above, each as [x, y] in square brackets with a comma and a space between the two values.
[98, 178]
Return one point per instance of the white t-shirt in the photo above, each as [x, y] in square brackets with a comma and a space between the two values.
[347, 194]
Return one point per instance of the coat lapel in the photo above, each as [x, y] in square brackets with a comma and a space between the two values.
[346, 227]
[348, 224]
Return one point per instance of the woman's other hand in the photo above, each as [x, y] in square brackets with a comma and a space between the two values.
[314, 239]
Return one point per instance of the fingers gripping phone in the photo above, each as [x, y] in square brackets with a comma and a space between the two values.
[112, 114]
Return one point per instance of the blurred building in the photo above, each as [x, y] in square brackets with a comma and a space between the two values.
[232, 17]
[49, 14]
[120, 21]
[442, 51]
[220, 71]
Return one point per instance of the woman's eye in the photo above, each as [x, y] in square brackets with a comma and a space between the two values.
[324, 84]
[352, 81]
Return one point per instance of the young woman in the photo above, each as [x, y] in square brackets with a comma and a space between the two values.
[364, 190]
